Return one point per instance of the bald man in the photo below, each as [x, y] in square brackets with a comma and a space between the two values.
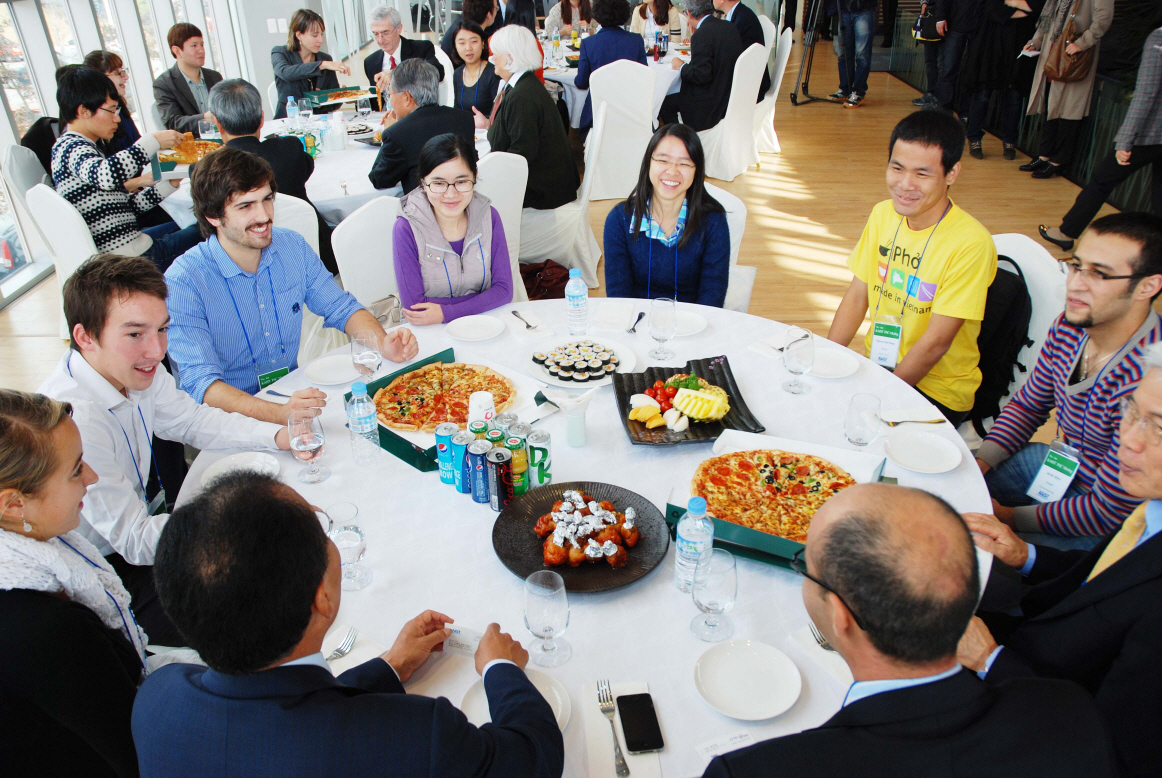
[891, 581]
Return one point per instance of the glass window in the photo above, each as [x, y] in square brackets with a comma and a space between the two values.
[149, 32]
[15, 78]
[109, 39]
[60, 32]
[179, 11]
[214, 61]
[11, 251]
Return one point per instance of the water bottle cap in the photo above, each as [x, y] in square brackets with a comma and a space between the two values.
[359, 388]
[574, 272]
[696, 505]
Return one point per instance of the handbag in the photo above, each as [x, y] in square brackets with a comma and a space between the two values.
[1067, 68]
[544, 280]
[925, 27]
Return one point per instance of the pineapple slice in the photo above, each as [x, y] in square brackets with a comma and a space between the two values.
[702, 405]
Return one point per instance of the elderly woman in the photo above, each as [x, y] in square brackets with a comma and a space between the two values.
[463, 267]
[610, 44]
[580, 15]
[474, 83]
[300, 66]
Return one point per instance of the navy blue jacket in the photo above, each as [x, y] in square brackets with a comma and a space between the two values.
[608, 45]
[191, 721]
[645, 268]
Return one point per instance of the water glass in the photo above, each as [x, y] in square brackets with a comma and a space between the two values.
[352, 544]
[207, 130]
[547, 616]
[798, 357]
[365, 352]
[305, 428]
[326, 522]
[363, 107]
[306, 109]
[862, 423]
[663, 326]
[715, 589]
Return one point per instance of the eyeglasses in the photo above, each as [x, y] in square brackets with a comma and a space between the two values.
[1073, 266]
[799, 565]
[119, 73]
[115, 111]
[685, 167]
[383, 33]
[438, 186]
[1132, 417]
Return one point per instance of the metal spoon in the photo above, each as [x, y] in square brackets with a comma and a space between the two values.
[640, 316]
[527, 325]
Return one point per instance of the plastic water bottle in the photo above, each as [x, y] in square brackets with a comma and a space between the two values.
[292, 111]
[695, 541]
[577, 300]
[361, 423]
[556, 45]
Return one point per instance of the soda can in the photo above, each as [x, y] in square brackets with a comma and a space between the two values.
[520, 464]
[444, 433]
[520, 430]
[504, 421]
[540, 452]
[478, 429]
[495, 437]
[478, 468]
[481, 408]
[499, 478]
[462, 476]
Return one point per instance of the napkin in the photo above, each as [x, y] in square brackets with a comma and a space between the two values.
[615, 315]
[365, 649]
[570, 406]
[599, 740]
[913, 414]
[829, 660]
[518, 328]
[767, 346]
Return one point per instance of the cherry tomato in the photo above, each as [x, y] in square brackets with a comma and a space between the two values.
[671, 391]
[666, 405]
[651, 392]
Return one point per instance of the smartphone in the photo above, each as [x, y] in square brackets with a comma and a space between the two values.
[639, 723]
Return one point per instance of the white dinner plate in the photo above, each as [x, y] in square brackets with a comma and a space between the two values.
[251, 461]
[475, 702]
[689, 323]
[628, 361]
[332, 371]
[923, 452]
[474, 328]
[747, 680]
[834, 363]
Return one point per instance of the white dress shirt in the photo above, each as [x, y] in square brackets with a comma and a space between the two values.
[319, 660]
[115, 517]
[387, 55]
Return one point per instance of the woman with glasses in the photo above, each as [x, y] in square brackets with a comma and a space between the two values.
[669, 238]
[463, 267]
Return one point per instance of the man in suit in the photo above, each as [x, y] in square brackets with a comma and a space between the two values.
[749, 29]
[251, 579]
[182, 93]
[394, 49]
[236, 107]
[891, 581]
[418, 117]
[715, 45]
[1089, 616]
[498, 20]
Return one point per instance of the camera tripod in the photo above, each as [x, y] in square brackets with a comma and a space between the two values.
[811, 18]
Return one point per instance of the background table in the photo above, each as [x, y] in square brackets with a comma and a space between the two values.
[430, 547]
[665, 82]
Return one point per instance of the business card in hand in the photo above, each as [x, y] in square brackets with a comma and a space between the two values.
[463, 641]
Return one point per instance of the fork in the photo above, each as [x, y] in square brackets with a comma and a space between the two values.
[822, 641]
[527, 325]
[344, 185]
[640, 316]
[914, 421]
[605, 700]
[345, 647]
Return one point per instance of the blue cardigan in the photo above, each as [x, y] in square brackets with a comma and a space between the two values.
[608, 45]
[702, 266]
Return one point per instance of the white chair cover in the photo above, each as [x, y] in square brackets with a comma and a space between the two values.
[155, 117]
[764, 115]
[446, 97]
[70, 241]
[627, 89]
[503, 178]
[363, 250]
[735, 218]
[730, 144]
[22, 171]
[782, 14]
[563, 234]
[739, 287]
[272, 98]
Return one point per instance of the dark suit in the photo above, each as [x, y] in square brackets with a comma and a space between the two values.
[175, 102]
[706, 79]
[608, 45]
[41, 137]
[399, 156]
[408, 49]
[1106, 635]
[527, 123]
[189, 720]
[751, 31]
[959, 727]
[294, 78]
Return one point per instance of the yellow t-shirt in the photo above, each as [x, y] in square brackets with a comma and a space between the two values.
[952, 279]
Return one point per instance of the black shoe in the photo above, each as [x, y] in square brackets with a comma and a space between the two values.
[1064, 245]
[924, 100]
[1033, 165]
[1010, 151]
[976, 149]
[838, 95]
[1049, 171]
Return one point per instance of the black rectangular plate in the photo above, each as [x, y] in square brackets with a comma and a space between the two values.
[369, 141]
[716, 370]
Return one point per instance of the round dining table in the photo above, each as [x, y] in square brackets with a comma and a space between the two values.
[430, 547]
[665, 82]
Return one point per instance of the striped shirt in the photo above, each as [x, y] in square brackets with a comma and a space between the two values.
[223, 320]
[1088, 417]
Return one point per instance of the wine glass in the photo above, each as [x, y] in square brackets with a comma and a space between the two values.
[547, 616]
[714, 591]
[306, 441]
[798, 356]
[325, 521]
[365, 352]
[352, 544]
[363, 107]
[306, 110]
[663, 325]
[861, 425]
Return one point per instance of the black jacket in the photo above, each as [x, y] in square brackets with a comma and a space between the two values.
[961, 15]
[40, 138]
[400, 153]
[751, 31]
[959, 727]
[1106, 635]
[706, 79]
[408, 49]
[294, 78]
[175, 102]
[527, 123]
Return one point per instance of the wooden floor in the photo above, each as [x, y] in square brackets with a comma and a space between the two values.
[806, 209]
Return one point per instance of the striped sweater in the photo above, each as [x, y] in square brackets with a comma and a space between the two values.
[95, 185]
[1088, 407]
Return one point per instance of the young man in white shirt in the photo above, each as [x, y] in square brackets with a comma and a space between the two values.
[122, 395]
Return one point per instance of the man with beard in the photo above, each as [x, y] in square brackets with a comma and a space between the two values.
[1091, 359]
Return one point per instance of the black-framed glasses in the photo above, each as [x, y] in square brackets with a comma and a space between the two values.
[464, 186]
[115, 111]
[799, 565]
[1073, 265]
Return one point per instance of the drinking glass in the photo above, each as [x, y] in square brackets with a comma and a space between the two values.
[352, 544]
[714, 591]
[363, 107]
[547, 616]
[207, 130]
[798, 356]
[663, 325]
[365, 352]
[325, 521]
[306, 441]
[862, 423]
[344, 512]
[306, 109]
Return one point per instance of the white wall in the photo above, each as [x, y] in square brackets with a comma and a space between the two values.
[251, 19]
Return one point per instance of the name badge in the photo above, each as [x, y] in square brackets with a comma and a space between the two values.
[266, 379]
[463, 641]
[1056, 473]
[887, 332]
[157, 504]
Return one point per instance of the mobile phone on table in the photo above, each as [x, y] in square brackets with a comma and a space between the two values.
[639, 723]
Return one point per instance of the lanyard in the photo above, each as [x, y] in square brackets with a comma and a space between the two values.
[475, 92]
[650, 261]
[149, 440]
[129, 634]
[1092, 389]
[277, 321]
[892, 253]
[482, 265]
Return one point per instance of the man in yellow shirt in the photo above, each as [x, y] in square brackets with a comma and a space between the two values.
[922, 268]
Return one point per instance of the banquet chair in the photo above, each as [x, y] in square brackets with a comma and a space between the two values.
[69, 238]
[368, 275]
[446, 89]
[502, 178]
[764, 114]
[626, 88]
[272, 97]
[21, 171]
[782, 14]
[155, 117]
[730, 144]
[563, 234]
[740, 283]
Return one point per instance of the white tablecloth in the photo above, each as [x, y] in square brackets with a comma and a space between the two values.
[430, 547]
[665, 82]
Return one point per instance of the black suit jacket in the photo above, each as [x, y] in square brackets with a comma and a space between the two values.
[399, 156]
[706, 79]
[1106, 635]
[751, 31]
[41, 137]
[175, 102]
[408, 49]
[961, 726]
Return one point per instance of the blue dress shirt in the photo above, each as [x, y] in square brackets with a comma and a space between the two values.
[861, 689]
[224, 320]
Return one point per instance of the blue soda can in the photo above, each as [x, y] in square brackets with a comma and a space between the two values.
[460, 474]
[444, 433]
[478, 467]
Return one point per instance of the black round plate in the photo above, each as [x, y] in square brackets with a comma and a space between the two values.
[521, 550]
